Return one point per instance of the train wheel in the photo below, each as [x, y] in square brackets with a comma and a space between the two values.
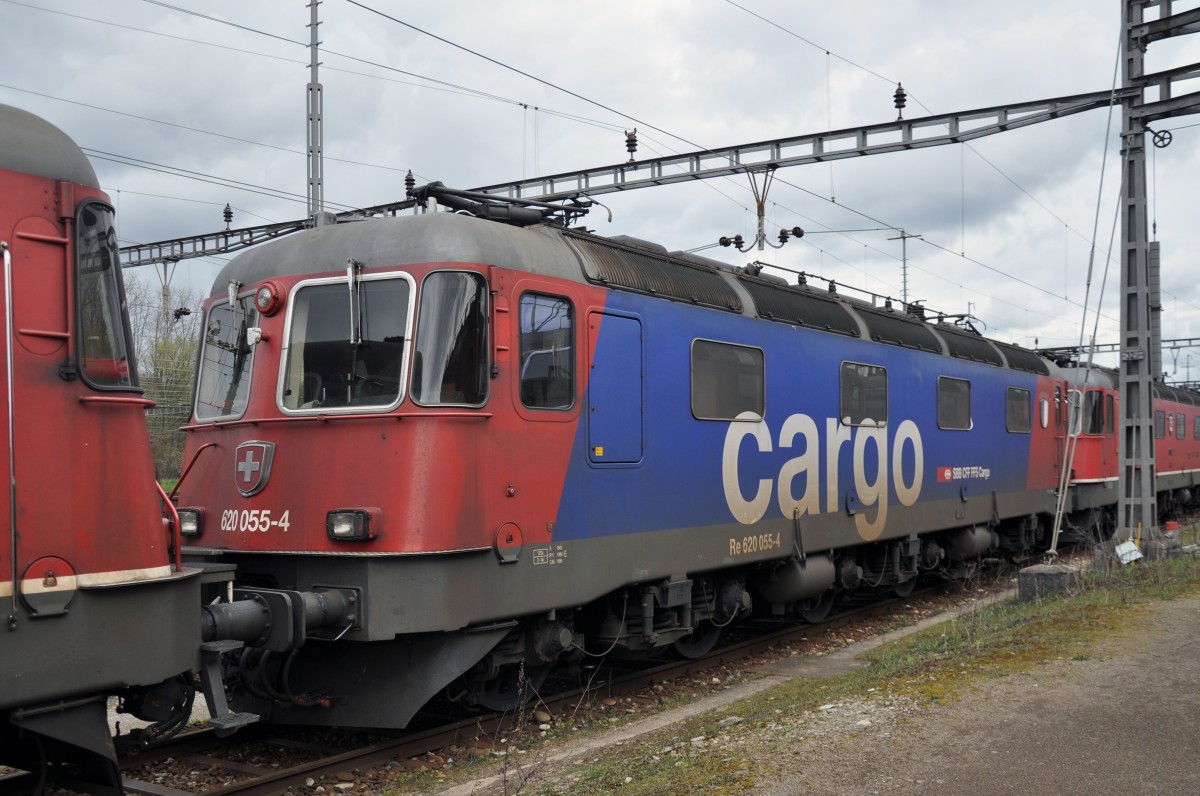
[699, 643]
[818, 608]
[513, 686]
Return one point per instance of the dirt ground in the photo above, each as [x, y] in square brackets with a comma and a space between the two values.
[1125, 722]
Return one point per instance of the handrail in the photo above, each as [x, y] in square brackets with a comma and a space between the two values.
[145, 403]
[190, 464]
[324, 418]
[175, 537]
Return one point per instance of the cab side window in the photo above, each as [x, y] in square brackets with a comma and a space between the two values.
[547, 352]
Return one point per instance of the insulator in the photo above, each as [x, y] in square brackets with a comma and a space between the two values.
[410, 182]
[737, 241]
[783, 236]
[832, 286]
[802, 279]
[631, 143]
[228, 214]
[900, 97]
[797, 232]
[725, 241]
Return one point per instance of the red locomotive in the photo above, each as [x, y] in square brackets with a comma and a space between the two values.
[94, 600]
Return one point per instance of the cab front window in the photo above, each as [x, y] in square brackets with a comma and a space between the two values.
[451, 364]
[105, 353]
[226, 360]
[339, 360]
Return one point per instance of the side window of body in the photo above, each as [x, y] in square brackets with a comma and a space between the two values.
[728, 381]
[1016, 411]
[954, 404]
[864, 395]
[547, 352]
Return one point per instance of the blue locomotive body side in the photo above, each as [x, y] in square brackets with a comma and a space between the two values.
[800, 456]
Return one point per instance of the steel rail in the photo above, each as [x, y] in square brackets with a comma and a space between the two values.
[414, 744]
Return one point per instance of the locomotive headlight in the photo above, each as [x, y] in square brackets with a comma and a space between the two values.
[191, 522]
[268, 298]
[348, 525]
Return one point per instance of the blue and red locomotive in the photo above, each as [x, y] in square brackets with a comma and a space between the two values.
[499, 441]
[433, 456]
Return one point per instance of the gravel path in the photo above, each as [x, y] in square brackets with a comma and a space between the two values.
[1127, 723]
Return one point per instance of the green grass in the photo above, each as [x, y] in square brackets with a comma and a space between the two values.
[699, 756]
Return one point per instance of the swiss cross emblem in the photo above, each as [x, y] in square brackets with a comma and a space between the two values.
[252, 466]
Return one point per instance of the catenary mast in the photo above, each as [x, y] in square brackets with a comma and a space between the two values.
[1141, 355]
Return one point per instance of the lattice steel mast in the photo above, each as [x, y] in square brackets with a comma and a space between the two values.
[1141, 347]
[316, 120]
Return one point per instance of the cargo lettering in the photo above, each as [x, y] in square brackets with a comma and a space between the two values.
[804, 470]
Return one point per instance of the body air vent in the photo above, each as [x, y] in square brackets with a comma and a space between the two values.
[653, 273]
[801, 308]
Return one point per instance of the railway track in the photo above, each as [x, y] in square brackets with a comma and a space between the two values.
[231, 770]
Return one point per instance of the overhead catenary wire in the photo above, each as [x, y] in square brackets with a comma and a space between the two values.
[485, 95]
[523, 73]
[911, 96]
[832, 54]
[1069, 451]
[202, 177]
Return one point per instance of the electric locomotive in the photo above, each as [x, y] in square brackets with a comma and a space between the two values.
[94, 600]
[492, 442]
[1095, 423]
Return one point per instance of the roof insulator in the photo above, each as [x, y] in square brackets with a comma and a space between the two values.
[410, 182]
[228, 214]
[631, 143]
[901, 99]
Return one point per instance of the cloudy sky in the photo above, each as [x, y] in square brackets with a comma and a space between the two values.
[216, 89]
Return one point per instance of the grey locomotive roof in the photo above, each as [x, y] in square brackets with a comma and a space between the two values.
[32, 145]
[405, 240]
[621, 263]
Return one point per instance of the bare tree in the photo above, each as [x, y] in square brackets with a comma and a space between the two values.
[166, 335]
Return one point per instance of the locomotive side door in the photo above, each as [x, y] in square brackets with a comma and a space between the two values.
[614, 392]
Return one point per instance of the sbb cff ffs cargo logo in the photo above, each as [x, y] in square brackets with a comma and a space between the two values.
[252, 466]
